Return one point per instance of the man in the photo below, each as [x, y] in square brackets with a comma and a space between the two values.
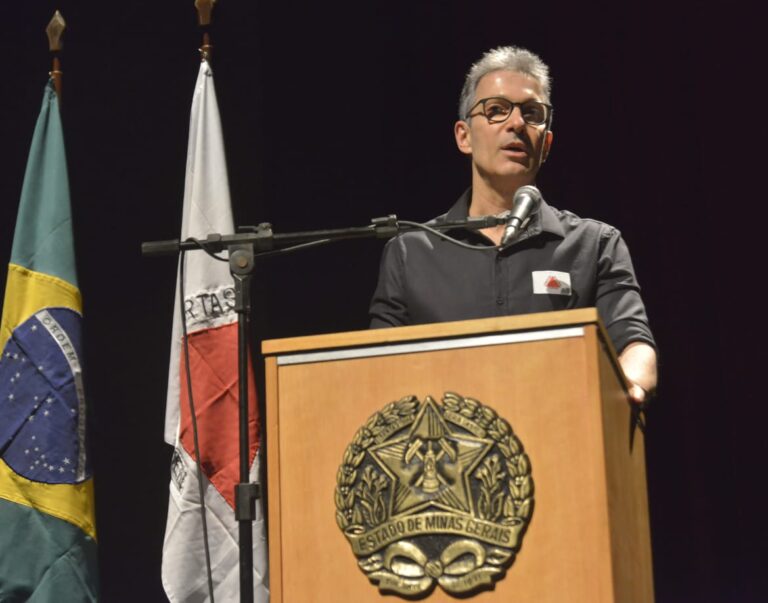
[558, 262]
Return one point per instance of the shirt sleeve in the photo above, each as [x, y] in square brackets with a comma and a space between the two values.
[388, 306]
[618, 293]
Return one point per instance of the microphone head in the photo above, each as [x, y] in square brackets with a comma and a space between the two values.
[527, 200]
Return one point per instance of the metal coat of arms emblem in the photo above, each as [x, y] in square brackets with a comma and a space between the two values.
[434, 493]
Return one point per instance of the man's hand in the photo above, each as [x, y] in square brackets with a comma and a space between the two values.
[638, 361]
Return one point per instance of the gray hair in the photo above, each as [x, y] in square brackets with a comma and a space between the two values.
[504, 58]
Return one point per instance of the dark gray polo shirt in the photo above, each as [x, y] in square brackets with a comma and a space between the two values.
[559, 262]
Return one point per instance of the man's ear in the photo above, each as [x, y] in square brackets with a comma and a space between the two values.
[463, 137]
[547, 145]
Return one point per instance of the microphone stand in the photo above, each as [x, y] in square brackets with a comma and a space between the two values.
[262, 239]
[244, 248]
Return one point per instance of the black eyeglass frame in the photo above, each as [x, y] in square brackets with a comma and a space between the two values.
[482, 101]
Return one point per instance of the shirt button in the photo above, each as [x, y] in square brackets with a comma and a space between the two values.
[499, 301]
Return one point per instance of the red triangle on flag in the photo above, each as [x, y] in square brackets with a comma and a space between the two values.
[213, 364]
[552, 283]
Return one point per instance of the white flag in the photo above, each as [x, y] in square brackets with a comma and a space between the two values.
[212, 340]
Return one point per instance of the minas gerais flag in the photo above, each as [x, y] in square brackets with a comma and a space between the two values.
[212, 341]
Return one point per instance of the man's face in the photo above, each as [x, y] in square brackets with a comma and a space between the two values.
[506, 155]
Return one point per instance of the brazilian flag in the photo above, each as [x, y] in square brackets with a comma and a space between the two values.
[47, 527]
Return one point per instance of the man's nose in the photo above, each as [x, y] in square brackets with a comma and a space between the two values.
[515, 120]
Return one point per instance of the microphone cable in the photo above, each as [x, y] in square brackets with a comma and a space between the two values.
[188, 373]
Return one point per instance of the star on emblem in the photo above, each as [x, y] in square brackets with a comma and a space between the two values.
[431, 464]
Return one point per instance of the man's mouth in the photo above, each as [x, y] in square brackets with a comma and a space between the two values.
[515, 147]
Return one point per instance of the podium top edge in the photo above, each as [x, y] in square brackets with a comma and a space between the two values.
[520, 322]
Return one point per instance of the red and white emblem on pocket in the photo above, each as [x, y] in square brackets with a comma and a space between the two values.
[551, 282]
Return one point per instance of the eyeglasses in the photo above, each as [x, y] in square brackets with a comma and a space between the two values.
[497, 109]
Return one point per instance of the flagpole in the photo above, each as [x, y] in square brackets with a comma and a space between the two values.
[55, 30]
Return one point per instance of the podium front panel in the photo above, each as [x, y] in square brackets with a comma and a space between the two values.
[548, 385]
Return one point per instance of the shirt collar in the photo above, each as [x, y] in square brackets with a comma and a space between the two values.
[545, 220]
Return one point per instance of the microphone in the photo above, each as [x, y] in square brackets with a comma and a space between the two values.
[526, 202]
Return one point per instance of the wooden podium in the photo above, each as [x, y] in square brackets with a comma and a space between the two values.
[554, 377]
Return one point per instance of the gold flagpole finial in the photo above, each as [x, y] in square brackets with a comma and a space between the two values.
[204, 10]
[55, 30]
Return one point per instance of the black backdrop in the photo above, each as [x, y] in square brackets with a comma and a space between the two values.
[337, 112]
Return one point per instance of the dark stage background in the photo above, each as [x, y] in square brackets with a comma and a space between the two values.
[334, 113]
